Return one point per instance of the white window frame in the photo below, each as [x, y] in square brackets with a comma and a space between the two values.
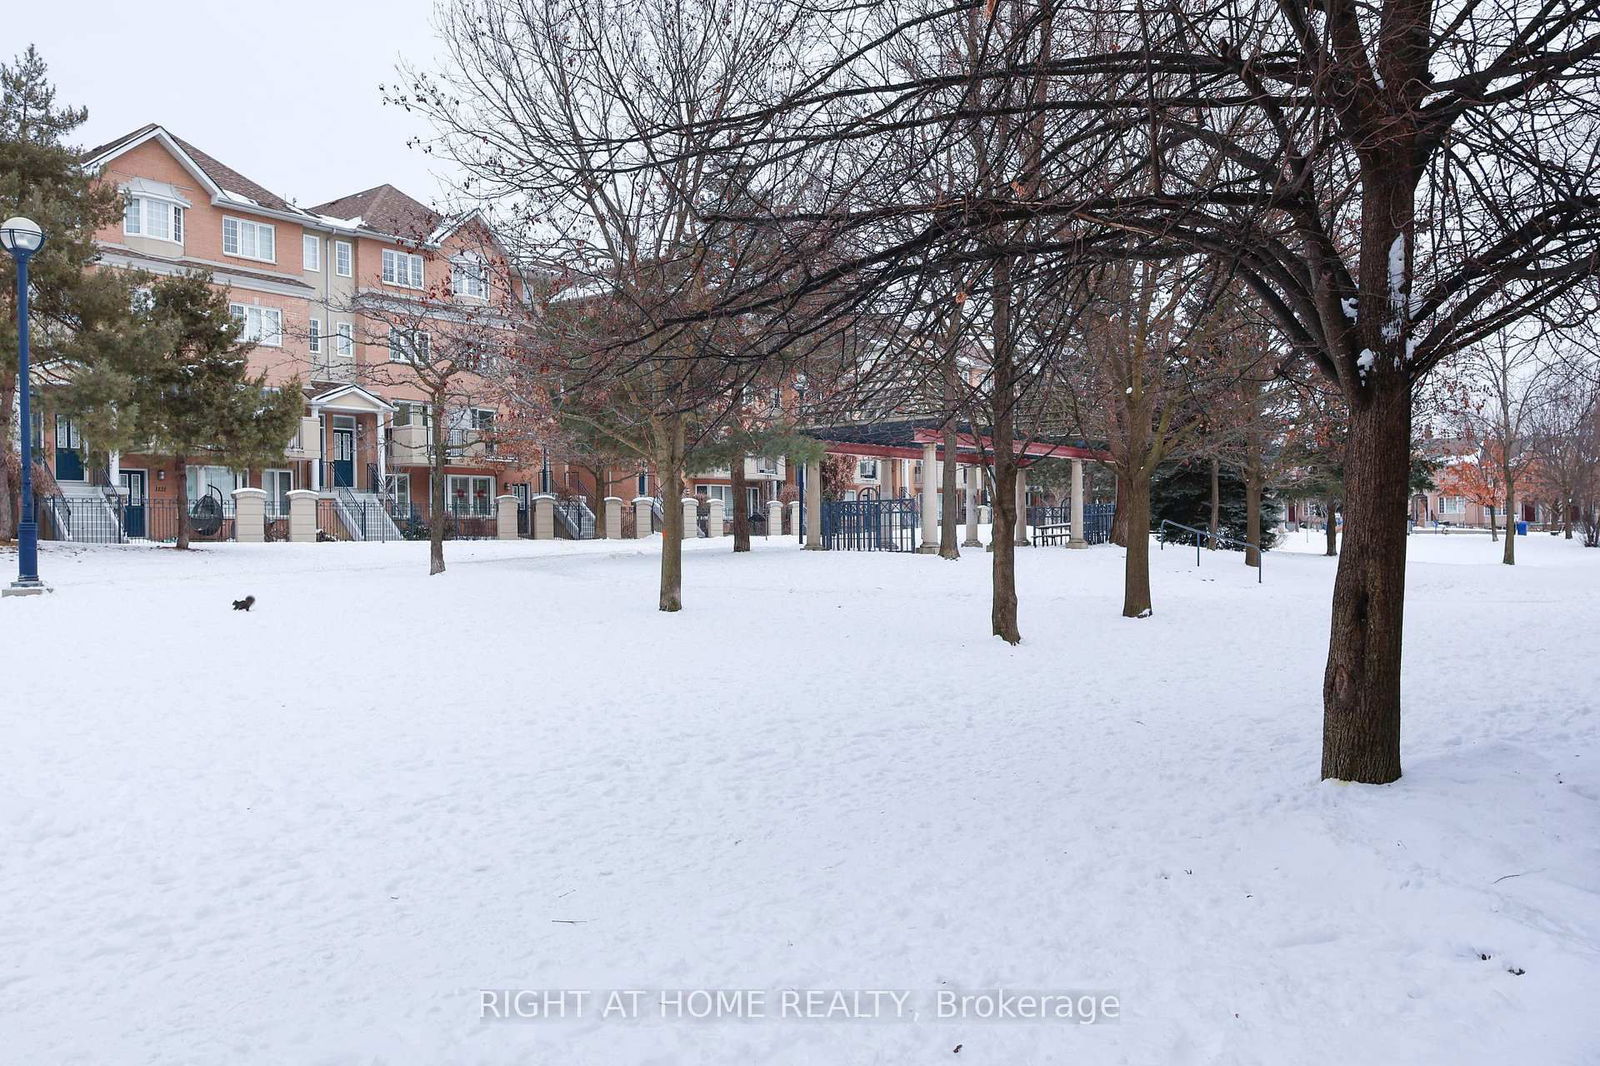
[240, 227]
[413, 346]
[202, 477]
[314, 335]
[257, 334]
[450, 494]
[144, 211]
[719, 492]
[474, 271]
[344, 340]
[398, 486]
[344, 259]
[402, 269]
[861, 470]
[286, 478]
[312, 244]
[1452, 505]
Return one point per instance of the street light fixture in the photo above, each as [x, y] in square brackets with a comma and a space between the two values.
[22, 237]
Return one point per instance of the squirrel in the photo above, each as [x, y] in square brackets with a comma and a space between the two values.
[244, 604]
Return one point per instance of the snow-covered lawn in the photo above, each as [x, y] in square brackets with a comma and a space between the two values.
[315, 832]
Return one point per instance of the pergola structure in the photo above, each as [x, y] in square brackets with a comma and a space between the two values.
[922, 439]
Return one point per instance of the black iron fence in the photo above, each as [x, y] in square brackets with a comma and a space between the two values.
[110, 520]
[870, 525]
[1096, 519]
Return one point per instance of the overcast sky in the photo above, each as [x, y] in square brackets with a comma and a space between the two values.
[285, 92]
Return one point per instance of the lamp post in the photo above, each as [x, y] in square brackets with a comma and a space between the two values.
[22, 237]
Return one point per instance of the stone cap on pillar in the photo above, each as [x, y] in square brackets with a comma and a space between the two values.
[542, 496]
[251, 492]
[644, 499]
[610, 498]
[506, 496]
[692, 499]
[300, 494]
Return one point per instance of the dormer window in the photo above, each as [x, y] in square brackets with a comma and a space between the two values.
[146, 216]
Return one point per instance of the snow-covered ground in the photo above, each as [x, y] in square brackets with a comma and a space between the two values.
[315, 833]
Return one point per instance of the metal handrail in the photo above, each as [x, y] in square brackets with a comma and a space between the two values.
[1219, 538]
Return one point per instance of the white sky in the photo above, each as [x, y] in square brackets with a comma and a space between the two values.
[285, 92]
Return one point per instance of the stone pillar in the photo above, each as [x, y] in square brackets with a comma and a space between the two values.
[813, 510]
[930, 500]
[613, 506]
[250, 516]
[714, 517]
[544, 516]
[985, 514]
[774, 518]
[972, 541]
[643, 509]
[302, 515]
[794, 517]
[505, 517]
[1022, 508]
[691, 517]
[1077, 540]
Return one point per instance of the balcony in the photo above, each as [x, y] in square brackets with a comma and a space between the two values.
[409, 446]
[335, 369]
[304, 443]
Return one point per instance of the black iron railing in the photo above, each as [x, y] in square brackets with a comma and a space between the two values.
[1202, 536]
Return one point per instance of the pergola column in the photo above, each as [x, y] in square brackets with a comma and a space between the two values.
[1077, 540]
[1021, 540]
[813, 515]
[930, 501]
[972, 541]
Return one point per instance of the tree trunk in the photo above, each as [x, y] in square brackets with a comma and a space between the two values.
[1509, 556]
[741, 505]
[670, 466]
[1252, 515]
[436, 490]
[1136, 567]
[1330, 508]
[10, 504]
[180, 466]
[1003, 607]
[1494, 530]
[949, 544]
[1216, 501]
[1361, 685]
[1119, 512]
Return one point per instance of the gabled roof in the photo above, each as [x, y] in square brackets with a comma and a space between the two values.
[218, 175]
[385, 209]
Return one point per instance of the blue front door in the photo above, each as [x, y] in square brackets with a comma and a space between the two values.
[69, 459]
[133, 492]
[344, 458]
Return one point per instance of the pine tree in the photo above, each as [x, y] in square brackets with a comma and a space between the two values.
[198, 395]
[80, 316]
[1182, 493]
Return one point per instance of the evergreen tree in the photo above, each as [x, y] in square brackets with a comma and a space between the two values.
[1182, 492]
[198, 395]
[80, 316]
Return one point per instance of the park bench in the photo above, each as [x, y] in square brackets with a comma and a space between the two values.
[1058, 533]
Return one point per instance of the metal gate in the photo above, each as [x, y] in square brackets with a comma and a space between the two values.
[870, 524]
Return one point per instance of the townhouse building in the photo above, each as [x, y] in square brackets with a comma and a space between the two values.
[339, 297]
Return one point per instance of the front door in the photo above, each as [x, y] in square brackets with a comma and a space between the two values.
[344, 458]
[69, 457]
[133, 494]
